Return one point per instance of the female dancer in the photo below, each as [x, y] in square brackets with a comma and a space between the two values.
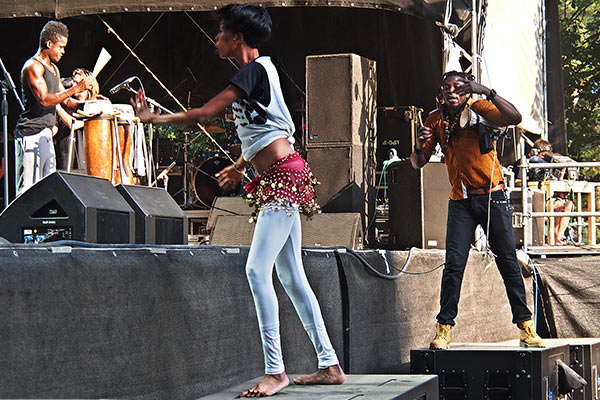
[283, 190]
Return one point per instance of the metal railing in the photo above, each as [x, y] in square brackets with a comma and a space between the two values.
[527, 214]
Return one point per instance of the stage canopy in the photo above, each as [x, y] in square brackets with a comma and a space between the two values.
[433, 9]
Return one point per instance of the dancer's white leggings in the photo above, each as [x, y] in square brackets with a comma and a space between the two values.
[277, 240]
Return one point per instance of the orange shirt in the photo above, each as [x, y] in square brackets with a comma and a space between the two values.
[467, 168]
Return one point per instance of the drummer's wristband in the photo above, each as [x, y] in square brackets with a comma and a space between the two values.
[67, 93]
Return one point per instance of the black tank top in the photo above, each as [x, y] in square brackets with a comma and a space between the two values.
[36, 118]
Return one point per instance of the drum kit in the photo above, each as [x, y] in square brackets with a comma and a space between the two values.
[114, 148]
[195, 184]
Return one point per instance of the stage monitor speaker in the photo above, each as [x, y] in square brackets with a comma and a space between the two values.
[227, 206]
[331, 229]
[158, 218]
[418, 205]
[341, 93]
[347, 179]
[483, 371]
[65, 206]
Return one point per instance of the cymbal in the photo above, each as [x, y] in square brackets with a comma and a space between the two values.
[214, 128]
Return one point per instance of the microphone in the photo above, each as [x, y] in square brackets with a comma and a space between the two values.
[163, 174]
[122, 85]
[165, 171]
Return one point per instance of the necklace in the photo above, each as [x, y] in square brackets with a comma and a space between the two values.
[449, 129]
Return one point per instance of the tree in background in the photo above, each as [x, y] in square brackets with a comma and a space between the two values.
[580, 42]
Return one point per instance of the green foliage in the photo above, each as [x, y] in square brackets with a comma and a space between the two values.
[201, 142]
[580, 42]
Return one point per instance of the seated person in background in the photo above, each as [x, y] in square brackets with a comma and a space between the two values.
[65, 121]
[541, 153]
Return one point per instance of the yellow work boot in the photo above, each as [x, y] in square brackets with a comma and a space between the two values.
[528, 336]
[442, 337]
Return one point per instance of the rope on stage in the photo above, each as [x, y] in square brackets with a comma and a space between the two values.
[135, 47]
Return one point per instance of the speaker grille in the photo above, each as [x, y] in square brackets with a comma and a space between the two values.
[327, 229]
[113, 227]
[169, 230]
[341, 92]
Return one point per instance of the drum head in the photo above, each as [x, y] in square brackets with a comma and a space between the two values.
[205, 184]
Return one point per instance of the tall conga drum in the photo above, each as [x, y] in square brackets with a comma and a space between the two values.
[108, 143]
[98, 147]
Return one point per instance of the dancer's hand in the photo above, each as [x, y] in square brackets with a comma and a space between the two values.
[140, 105]
[229, 178]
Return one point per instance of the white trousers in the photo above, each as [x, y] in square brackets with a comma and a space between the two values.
[277, 241]
[35, 158]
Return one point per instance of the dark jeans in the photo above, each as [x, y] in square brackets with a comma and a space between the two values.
[463, 218]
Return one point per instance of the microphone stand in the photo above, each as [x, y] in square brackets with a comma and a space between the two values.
[154, 103]
[7, 84]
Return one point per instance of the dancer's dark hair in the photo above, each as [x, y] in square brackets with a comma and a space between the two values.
[251, 21]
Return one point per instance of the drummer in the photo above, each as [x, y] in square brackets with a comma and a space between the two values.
[66, 121]
[42, 90]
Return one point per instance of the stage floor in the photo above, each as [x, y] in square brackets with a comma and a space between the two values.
[372, 387]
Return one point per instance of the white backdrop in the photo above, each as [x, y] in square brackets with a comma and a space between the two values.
[513, 58]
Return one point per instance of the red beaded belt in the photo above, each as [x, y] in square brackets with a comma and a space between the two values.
[474, 192]
[287, 183]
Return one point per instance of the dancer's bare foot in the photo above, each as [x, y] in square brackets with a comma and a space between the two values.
[268, 386]
[332, 375]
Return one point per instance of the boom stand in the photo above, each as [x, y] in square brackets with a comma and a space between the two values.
[5, 138]
[151, 102]
[7, 84]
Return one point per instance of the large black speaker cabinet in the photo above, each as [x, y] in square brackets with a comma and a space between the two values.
[347, 179]
[341, 92]
[158, 218]
[492, 371]
[65, 206]
[418, 205]
[334, 229]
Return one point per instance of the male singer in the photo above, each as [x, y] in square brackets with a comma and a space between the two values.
[477, 190]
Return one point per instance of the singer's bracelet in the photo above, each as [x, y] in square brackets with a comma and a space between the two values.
[238, 171]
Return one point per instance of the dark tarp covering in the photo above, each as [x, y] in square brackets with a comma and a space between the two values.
[569, 298]
[62, 9]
